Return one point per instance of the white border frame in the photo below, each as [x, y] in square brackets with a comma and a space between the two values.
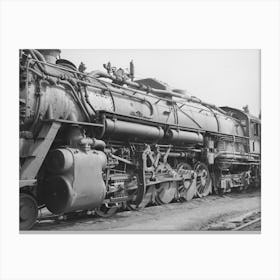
[156, 24]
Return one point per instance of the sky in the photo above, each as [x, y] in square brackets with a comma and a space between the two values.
[221, 77]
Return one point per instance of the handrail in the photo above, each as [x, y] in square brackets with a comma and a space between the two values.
[134, 84]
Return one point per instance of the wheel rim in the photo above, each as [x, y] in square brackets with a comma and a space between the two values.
[148, 198]
[105, 212]
[130, 203]
[166, 193]
[203, 179]
[188, 190]
[28, 211]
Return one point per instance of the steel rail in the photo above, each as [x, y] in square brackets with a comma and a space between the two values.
[246, 224]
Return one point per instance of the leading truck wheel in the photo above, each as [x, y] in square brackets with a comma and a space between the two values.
[28, 211]
[203, 179]
[105, 211]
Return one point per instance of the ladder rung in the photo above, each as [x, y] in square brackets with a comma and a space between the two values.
[29, 156]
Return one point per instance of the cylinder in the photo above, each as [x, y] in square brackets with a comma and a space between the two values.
[58, 194]
[81, 187]
[59, 161]
[122, 129]
[184, 137]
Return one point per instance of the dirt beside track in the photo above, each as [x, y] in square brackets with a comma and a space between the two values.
[201, 214]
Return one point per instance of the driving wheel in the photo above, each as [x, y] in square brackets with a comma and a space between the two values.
[203, 179]
[166, 192]
[188, 189]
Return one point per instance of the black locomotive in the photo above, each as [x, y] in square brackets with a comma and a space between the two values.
[103, 141]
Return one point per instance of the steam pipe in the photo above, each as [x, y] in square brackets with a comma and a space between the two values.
[77, 98]
[87, 113]
[156, 91]
[87, 100]
[38, 60]
[39, 55]
[38, 105]
[74, 94]
[100, 74]
[84, 102]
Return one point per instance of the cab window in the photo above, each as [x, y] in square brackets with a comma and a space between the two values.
[255, 129]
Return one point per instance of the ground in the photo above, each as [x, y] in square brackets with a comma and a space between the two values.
[201, 214]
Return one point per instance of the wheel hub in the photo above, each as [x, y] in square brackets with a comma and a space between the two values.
[166, 192]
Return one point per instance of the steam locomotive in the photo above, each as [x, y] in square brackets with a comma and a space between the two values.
[103, 141]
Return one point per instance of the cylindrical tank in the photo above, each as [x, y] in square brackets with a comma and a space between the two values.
[122, 129]
[184, 137]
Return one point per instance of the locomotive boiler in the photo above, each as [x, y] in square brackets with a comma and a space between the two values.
[103, 141]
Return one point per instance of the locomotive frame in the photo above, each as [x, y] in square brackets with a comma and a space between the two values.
[87, 144]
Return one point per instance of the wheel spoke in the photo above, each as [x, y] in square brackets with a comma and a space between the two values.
[188, 190]
[203, 181]
[166, 192]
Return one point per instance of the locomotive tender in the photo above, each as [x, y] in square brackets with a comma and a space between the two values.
[103, 141]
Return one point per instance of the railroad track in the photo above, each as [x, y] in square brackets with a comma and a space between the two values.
[247, 225]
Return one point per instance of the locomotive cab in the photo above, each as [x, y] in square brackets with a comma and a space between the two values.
[252, 128]
[255, 135]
